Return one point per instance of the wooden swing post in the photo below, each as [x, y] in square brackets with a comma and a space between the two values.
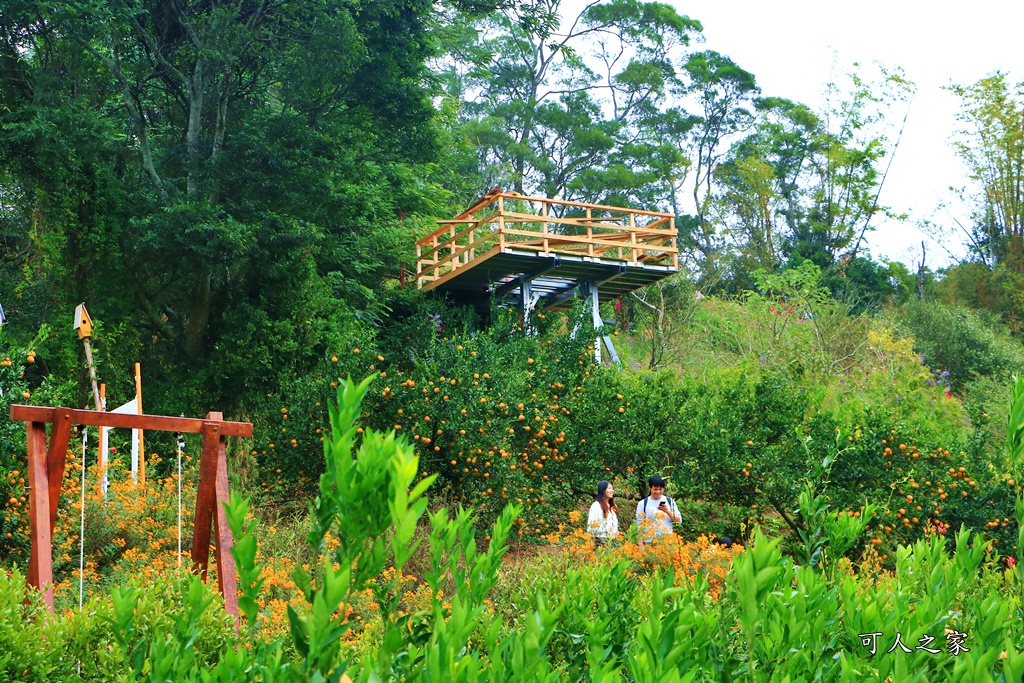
[46, 462]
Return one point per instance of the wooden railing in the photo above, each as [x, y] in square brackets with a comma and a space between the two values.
[502, 221]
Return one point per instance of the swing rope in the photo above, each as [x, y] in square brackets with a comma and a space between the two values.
[181, 448]
[81, 533]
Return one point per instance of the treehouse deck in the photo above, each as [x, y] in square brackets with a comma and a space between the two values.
[538, 252]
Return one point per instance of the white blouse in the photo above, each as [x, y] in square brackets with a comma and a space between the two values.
[601, 526]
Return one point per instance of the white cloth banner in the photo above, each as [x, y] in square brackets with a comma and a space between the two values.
[130, 408]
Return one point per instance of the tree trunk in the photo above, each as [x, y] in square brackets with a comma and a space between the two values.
[219, 133]
[199, 320]
[197, 90]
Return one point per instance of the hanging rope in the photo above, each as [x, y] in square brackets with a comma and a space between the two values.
[81, 533]
[181, 449]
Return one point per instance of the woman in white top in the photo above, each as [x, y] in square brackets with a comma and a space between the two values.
[603, 520]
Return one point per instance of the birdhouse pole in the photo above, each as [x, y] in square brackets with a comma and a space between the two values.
[83, 326]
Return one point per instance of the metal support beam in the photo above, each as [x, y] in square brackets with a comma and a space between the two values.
[527, 302]
[545, 266]
[611, 351]
[612, 273]
[590, 291]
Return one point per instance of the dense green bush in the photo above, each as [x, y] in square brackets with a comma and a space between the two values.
[91, 644]
[503, 417]
[967, 344]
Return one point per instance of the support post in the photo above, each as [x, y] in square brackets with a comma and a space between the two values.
[142, 438]
[545, 226]
[595, 301]
[206, 496]
[56, 459]
[528, 300]
[211, 493]
[612, 353]
[525, 297]
[501, 223]
[101, 442]
[419, 265]
[40, 568]
[226, 581]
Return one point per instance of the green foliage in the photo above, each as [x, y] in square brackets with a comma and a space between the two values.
[565, 625]
[965, 343]
[165, 630]
[362, 495]
[23, 379]
[991, 145]
[243, 551]
[231, 214]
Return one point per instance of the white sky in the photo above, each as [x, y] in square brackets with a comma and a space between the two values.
[790, 45]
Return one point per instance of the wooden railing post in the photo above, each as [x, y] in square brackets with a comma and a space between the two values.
[674, 242]
[632, 235]
[501, 222]
[419, 264]
[453, 263]
[434, 267]
[590, 233]
[545, 230]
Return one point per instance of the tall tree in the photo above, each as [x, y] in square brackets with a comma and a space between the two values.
[215, 177]
[991, 145]
[808, 183]
[553, 99]
[723, 91]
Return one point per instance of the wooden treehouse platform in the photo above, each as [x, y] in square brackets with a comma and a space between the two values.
[539, 252]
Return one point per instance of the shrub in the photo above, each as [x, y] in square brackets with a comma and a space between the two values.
[966, 343]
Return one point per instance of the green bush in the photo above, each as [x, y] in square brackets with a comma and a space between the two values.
[23, 379]
[968, 344]
[87, 645]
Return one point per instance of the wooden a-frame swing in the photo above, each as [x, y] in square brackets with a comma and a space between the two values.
[47, 458]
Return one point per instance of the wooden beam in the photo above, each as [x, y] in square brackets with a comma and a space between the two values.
[206, 494]
[93, 418]
[583, 239]
[514, 217]
[56, 459]
[40, 573]
[584, 205]
[226, 574]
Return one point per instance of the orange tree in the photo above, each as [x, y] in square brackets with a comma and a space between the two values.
[504, 416]
[23, 379]
[501, 416]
